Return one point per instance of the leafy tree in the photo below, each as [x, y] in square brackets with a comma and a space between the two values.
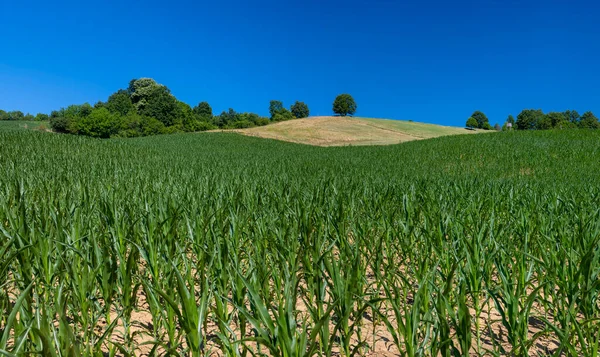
[344, 105]
[300, 110]
[154, 100]
[589, 121]
[556, 119]
[283, 115]
[4, 115]
[188, 118]
[29, 117]
[572, 116]
[487, 126]
[528, 119]
[119, 103]
[275, 106]
[510, 119]
[41, 117]
[544, 123]
[162, 106]
[278, 112]
[16, 115]
[100, 123]
[481, 118]
[497, 127]
[203, 111]
[472, 123]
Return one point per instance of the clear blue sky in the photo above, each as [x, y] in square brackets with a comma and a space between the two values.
[434, 61]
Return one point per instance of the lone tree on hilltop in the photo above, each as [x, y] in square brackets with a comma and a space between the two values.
[482, 120]
[300, 110]
[344, 105]
[471, 123]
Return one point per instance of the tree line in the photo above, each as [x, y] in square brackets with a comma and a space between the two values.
[148, 108]
[536, 119]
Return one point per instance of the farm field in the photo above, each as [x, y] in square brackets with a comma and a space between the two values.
[219, 244]
[343, 131]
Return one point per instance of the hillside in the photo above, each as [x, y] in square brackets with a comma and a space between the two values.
[340, 131]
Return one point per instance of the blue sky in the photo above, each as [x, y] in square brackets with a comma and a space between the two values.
[433, 61]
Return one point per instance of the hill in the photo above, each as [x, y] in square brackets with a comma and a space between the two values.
[340, 131]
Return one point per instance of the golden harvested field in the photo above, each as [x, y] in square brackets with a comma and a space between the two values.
[342, 131]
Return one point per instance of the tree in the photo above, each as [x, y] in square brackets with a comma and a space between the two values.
[119, 103]
[557, 120]
[528, 119]
[278, 112]
[4, 115]
[481, 118]
[344, 105]
[203, 111]
[160, 104]
[510, 119]
[472, 123]
[275, 106]
[589, 121]
[41, 117]
[16, 115]
[497, 127]
[100, 123]
[300, 110]
[572, 116]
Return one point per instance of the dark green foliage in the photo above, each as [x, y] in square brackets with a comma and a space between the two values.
[118, 103]
[344, 105]
[481, 119]
[3, 115]
[275, 106]
[510, 119]
[162, 106]
[472, 123]
[279, 112]
[572, 116]
[300, 110]
[589, 121]
[204, 111]
[528, 119]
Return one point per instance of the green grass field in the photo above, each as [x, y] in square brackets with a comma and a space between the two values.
[222, 244]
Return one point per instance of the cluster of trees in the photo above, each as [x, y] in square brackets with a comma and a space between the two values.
[18, 115]
[535, 119]
[148, 108]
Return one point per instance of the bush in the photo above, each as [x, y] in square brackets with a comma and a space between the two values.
[100, 123]
[263, 121]
[60, 124]
[241, 124]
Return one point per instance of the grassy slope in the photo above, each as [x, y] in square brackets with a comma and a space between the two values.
[338, 131]
[6, 125]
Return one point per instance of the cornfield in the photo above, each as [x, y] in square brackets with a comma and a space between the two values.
[222, 245]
